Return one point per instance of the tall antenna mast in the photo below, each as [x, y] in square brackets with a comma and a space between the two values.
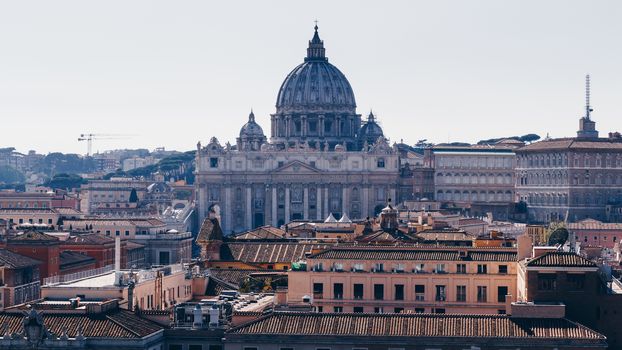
[588, 108]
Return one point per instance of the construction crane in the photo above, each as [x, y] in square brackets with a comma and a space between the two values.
[90, 137]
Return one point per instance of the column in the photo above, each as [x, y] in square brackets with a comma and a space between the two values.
[226, 220]
[272, 126]
[249, 208]
[267, 206]
[325, 202]
[274, 206]
[287, 123]
[338, 126]
[318, 205]
[393, 195]
[305, 204]
[365, 209]
[303, 125]
[344, 200]
[287, 213]
[321, 125]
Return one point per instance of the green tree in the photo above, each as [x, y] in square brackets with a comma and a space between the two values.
[65, 181]
[11, 175]
[133, 196]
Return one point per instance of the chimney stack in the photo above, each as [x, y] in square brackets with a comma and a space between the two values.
[117, 254]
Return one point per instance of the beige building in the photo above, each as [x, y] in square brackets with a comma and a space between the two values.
[413, 279]
[153, 289]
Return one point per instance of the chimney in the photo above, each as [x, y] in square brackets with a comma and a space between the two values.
[117, 254]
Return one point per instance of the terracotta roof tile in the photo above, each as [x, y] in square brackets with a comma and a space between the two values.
[267, 252]
[116, 324]
[560, 259]
[383, 253]
[16, 261]
[414, 325]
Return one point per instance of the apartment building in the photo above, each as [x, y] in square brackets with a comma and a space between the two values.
[413, 279]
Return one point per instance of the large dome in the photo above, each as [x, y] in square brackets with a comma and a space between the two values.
[315, 84]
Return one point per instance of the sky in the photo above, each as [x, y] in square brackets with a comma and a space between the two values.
[172, 73]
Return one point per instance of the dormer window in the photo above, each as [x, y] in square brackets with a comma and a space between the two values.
[213, 162]
[380, 163]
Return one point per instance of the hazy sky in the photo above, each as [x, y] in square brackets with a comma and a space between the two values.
[171, 73]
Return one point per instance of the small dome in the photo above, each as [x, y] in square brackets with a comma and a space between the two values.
[251, 128]
[370, 131]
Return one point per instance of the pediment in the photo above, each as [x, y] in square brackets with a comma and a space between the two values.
[296, 167]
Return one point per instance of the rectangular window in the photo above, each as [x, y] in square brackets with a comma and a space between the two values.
[461, 293]
[250, 348]
[482, 268]
[215, 347]
[213, 162]
[358, 291]
[399, 292]
[440, 293]
[419, 268]
[358, 309]
[195, 347]
[461, 268]
[503, 269]
[380, 163]
[318, 290]
[379, 267]
[482, 294]
[176, 347]
[338, 309]
[547, 281]
[419, 310]
[440, 268]
[419, 292]
[378, 310]
[575, 281]
[439, 311]
[127, 233]
[379, 291]
[338, 291]
[398, 310]
[502, 291]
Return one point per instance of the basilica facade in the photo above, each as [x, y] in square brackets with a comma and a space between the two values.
[321, 157]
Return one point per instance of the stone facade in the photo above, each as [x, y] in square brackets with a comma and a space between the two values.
[257, 188]
[479, 179]
[320, 158]
[574, 178]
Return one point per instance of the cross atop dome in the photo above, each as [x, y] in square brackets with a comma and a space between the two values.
[316, 51]
[251, 117]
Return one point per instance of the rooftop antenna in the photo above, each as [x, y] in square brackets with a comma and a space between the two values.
[588, 108]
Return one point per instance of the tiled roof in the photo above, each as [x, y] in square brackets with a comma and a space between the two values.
[86, 239]
[116, 324]
[415, 325]
[560, 259]
[33, 236]
[383, 253]
[16, 261]
[129, 245]
[80, 223]
[572, 143]
[591, 224]
[69, 259]
[266, 252]
[210, 230]
[264, 232]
